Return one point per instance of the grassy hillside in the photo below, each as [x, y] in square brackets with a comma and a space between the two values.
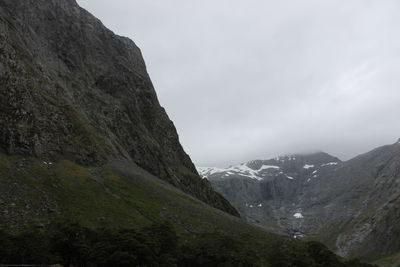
[35, 194]
[117, 195]
[392, 260]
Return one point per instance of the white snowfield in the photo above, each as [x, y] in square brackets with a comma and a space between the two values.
[245, 171]
[241, 169]
[265, 167]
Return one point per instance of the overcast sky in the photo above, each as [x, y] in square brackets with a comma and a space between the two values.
[253, 79]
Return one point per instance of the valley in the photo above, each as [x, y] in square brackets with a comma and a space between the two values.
[92, 171]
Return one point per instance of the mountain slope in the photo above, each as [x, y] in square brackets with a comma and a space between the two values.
[352, 206]
[268, 192]
[33, 194]
[373, 231]
[71, 89]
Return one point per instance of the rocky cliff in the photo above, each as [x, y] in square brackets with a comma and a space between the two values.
[71, 89]
[351, 206]
[270, 192]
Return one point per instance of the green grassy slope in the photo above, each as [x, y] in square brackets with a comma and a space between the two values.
[118, 195]
[390, 261]
[121, 195]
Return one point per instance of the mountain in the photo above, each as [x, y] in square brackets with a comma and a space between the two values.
[267, 192]
[86, 148]
[71, 89]
[351, 206]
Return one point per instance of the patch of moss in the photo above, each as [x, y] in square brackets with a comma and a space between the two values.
[108, 174]
[85, 135]
[389, 260]
[68, 170]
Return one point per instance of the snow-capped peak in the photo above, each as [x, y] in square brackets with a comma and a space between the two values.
[206, 171]
[242, 170]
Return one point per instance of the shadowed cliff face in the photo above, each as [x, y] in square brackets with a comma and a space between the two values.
[71, 89]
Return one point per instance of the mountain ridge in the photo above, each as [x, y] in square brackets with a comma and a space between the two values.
[309, 160]
[348, 205]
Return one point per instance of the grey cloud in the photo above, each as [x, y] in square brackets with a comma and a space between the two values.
[254, 79]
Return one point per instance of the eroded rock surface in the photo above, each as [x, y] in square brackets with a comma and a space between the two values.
[72, 89]
[352, 206]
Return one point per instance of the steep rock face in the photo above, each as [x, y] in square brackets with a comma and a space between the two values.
[351, 206]
[271, 192]
[374, 229]
[71, 89]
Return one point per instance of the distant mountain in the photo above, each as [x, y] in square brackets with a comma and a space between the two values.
[352, 206]
[265, 191]
[267, 169]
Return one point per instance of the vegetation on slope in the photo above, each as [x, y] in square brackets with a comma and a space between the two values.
[156, 245]
[116, 212]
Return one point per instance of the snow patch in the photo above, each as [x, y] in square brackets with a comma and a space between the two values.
[289, 177]
[266, 167]
[308, 166]
[242, 170]
[329, 164]
[207, 171]
[245, 171]
[298, 235]
[260, 205]
[298, 215]
[314, 172]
